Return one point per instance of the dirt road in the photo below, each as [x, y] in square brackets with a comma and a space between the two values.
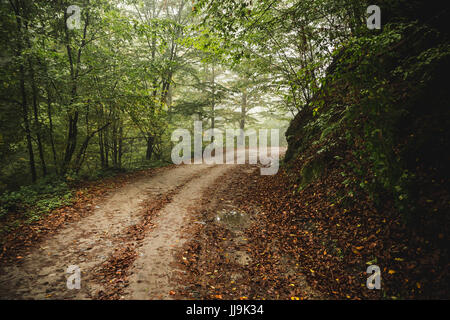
[91, 241]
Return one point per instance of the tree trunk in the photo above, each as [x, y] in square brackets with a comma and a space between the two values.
[102, 151]
[37, 123]
[71, 141]
[243, 110]
[81, 152]
[149, 152]
[52, 140]
[213, 104]
[115, 144]
[24, 96]
[120, 145]
[27, 125]
[106, 147]
[74, 73]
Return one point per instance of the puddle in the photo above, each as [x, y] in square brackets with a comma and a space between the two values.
[233, 219]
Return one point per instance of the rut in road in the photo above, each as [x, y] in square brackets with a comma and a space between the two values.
[90, 241]
[153, 268]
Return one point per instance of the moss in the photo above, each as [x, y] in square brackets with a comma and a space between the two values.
[311, 171]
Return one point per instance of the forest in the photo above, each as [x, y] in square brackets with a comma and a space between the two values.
[91, 92]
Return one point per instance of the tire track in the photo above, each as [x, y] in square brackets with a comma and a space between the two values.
[88, 242]
[154, 266]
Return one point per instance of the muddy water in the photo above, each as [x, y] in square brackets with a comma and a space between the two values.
[233, 220]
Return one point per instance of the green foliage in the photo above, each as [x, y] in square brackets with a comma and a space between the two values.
[89, 102]
[36, 200]
[310, 172]
[383, 76]
[381, 103]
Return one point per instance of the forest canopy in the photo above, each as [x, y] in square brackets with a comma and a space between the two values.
[106, 91]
